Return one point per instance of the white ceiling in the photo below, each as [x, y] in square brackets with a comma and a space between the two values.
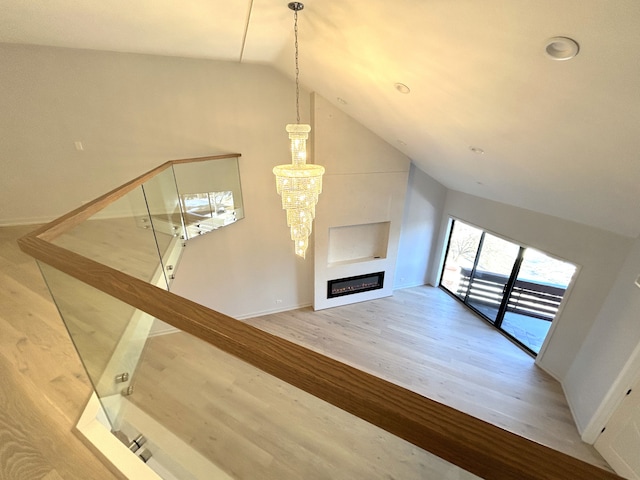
[560, 137]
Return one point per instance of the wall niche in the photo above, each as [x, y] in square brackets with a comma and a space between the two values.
[357, 243]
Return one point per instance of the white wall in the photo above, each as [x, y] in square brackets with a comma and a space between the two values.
[418, 250]
[599, 253]
[365, 183]
[133, 112]
[601, 374]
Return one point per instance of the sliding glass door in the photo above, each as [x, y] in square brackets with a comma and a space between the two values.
[490, 277]
[464, 241]
[517, 289]
[534, 300]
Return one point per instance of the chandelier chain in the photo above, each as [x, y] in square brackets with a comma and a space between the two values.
[295, 31]
[299, 184]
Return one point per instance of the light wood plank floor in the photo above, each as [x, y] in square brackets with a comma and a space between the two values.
[424, 340]
[43, 386]
[254, 426]
[420, 338]
[459, 361]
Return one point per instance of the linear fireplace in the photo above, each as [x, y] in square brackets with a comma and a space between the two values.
[357, 284]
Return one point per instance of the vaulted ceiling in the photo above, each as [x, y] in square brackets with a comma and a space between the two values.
[558, 137]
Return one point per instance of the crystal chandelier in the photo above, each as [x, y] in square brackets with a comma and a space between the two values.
[298, 183]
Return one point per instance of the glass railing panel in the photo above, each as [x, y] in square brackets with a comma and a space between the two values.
[206, 414]
[163, 204]
[108, 334]
[210, 194]
[119, 236]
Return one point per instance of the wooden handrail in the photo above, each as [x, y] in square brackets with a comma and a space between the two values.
[65, 223]
[470, 443]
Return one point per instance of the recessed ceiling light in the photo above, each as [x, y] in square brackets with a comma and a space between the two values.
[342, 101]
[402, 88]
[476, 150]
[561, 48]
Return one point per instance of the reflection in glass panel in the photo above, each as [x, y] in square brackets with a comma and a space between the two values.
[463, 247]
[488, 282]
[536, 296]
[196, 205]
[204, 212]
[210, 194]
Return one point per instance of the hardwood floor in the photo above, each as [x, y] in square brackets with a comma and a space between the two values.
[252, 425]
[419, 338]
[426, 341]
[43, 384]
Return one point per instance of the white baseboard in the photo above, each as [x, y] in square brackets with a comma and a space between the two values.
[16, 222]
[270, 311]
[576, 419]
[161, 328]
[410, 285]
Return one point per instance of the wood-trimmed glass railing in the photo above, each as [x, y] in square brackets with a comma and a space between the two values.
[218, 398]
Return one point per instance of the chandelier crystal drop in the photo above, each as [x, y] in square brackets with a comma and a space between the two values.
[299, 184]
